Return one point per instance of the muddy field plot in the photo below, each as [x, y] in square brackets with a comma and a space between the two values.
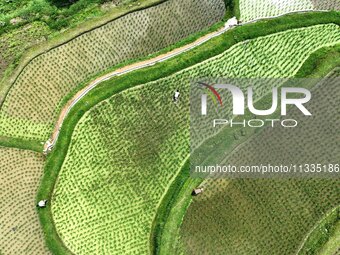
[20, 230]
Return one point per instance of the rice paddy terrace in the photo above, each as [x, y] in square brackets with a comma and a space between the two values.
[254, 9]
[250, 216]
[125, 143]
[20, 175]
[118, 166]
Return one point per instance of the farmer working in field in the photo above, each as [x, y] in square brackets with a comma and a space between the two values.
[176, 96]
[42, 203]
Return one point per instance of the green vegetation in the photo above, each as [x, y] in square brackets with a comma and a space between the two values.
[256, 216]
[167, 229]
[320, 239]
[31, 107]
[232, 8]
[140, 139]
[145, 151]
[331, 247]
[165, 235]
[13, 43]
[20, 175]
[112, 164]
[239, 34]
[320, 63]
[168, 237]
[27, 23]
[21, 144]
[255, 9]
[18, 13]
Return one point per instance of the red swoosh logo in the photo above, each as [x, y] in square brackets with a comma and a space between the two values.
[213, 91]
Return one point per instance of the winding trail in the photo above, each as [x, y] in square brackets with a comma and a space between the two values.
[230, 24]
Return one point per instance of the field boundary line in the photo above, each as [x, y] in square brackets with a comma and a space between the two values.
[320, 221]
[10, 142]
[171, 183]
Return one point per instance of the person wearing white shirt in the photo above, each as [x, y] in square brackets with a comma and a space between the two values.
[176, 96]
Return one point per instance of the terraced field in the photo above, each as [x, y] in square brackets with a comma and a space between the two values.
[257, 216]
[126, 150]
[254, 9]
[326, 4]
[32, 104]
[20, 230]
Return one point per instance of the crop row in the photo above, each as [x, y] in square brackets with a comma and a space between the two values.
[20, 174]
[265, 213]
[254, 9]
[133, 145]
[126, 150]
[36, 95]
[276, 56]
[326, 4]
[256, 216]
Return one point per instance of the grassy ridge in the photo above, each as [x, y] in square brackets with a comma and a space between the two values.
[331, 247]
[21, 144]
[320, 63]
[321, 234]
[106, 89]
[172, 196]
